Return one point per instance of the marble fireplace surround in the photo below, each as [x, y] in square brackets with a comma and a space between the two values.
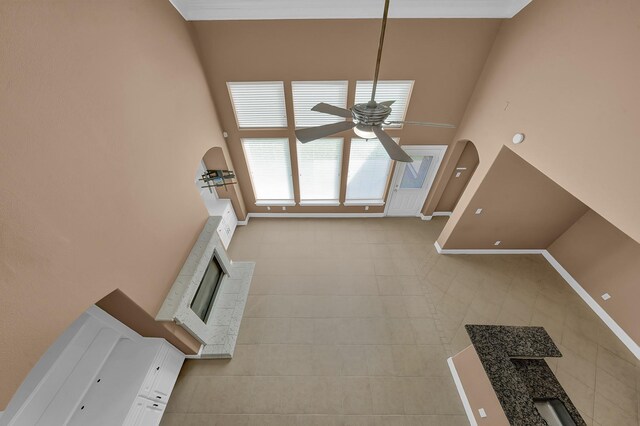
[219, 334]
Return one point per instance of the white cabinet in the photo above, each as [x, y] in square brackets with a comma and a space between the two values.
[228, 222]
[99, 372]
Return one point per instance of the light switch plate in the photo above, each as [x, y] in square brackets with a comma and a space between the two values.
[606, 296]
[482, 413]
[497, 243]
[478, 211]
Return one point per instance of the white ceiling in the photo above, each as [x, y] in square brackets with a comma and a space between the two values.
[211, 10]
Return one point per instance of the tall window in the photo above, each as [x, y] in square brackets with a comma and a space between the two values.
[306, 94]
[258, 104]
[270, 168]
[319, 164]
[369, 166]
[387, 90]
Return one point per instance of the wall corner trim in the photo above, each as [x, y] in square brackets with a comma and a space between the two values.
[586, 297]
[423, 217]
[463, 396]
[604, 316]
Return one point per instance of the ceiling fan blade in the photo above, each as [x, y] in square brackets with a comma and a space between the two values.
[313, 133]
[333, 110]
[392, 148]
[424, 123]
[387, 103]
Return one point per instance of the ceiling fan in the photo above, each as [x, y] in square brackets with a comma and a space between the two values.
[368, 118]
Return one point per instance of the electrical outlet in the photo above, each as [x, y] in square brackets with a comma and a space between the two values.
[478, 211]
[606, 296]
[458, 174]
[284, 208]
[366, 207]
[497, 243]
[268, 208]
[482, 413]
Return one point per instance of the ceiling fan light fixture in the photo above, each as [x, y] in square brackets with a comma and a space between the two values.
[364, 131]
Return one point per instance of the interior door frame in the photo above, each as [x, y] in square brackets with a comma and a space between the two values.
[438, 152]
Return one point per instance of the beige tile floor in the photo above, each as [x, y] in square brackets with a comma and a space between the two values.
[350, 322]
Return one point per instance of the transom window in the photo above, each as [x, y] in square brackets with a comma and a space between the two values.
[269, 165]
[369, 166]
[258, 104]
[319, 166]
[306, 94]
[387, 90]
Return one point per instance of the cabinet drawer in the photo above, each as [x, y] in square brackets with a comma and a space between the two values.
[144, 413]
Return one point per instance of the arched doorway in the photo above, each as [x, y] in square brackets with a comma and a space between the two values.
[460, 176]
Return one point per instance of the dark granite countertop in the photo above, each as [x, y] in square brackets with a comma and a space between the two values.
[511, 357]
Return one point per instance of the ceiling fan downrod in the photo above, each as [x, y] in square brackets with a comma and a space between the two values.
[382, 30]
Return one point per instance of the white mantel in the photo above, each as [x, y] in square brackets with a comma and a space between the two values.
[219, 334]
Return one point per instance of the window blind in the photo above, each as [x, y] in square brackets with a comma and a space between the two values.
[270, 168]
[369, 166]
[306, 94]
[258, 104]
[387, 90]
[319, 165]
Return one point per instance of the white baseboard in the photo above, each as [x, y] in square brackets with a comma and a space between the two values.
[315, 215]
[486, 251]
[243, 222]
[463, 396]
[604, 316]
[434, 214]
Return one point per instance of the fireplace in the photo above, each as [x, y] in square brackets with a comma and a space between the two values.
[208, 296]
[205, 295]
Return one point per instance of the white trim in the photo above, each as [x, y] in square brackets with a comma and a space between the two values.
[274, 203]
[604, 316]
[319, 203]
[363, 203]
[317, 215]
[486, 251]
[448, 214]
[198, 10]
[243, 222]
[182, 8]
[196, 356]
[463, 396]
[423, 217]
[584, 295]
[438, 152]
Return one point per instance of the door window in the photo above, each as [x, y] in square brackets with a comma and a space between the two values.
[415, 173]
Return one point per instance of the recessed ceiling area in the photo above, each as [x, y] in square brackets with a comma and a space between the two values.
[213, 10]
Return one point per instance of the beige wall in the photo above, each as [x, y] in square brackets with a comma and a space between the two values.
[119, 306]
[456, 185]
[521, 207]
[566, 74]
[478, 388]
[603, 260]
[444, 57]
[105, 114]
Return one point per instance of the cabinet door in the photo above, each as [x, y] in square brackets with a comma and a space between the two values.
[167, 374]
[231, 221]
[144, 413]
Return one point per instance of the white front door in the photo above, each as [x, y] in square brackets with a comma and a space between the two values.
[412, 181]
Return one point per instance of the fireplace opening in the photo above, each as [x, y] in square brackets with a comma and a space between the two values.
[205, 295]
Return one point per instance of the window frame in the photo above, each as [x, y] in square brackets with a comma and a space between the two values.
[314, 201]
[269, 201]
[256, 83]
